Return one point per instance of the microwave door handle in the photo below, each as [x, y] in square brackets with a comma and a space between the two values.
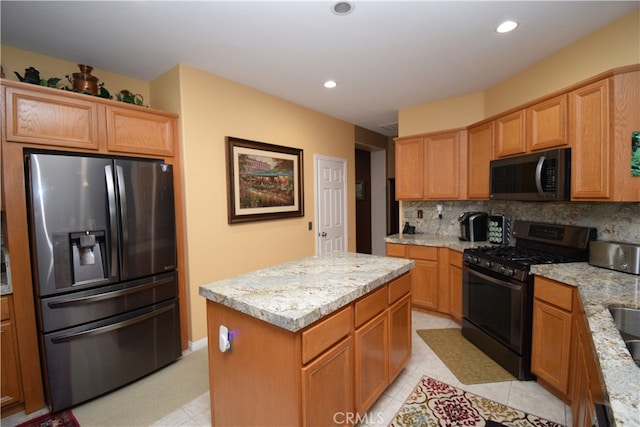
[541, 161]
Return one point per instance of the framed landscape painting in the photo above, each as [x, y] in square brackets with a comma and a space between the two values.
[264, 181]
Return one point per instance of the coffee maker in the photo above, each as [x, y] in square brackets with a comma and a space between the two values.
[473, 226]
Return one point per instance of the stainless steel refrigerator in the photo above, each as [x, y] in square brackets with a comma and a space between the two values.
[103, 245]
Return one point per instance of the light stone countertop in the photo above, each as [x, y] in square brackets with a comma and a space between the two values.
[295, 294]
[451, 242]
[599, 289]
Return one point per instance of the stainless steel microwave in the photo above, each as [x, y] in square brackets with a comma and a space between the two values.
[543, 176]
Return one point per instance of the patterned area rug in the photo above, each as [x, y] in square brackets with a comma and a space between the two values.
[434, 403]
[59, 419]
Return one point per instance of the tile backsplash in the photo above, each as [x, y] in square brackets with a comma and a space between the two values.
[614, 221]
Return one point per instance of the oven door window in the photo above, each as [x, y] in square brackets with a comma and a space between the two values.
[495, 306]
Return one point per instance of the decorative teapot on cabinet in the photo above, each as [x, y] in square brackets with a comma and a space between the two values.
[31, 75]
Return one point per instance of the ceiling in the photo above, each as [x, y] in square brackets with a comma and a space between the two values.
[384, 55]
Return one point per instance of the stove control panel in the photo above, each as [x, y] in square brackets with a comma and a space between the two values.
[506, 270]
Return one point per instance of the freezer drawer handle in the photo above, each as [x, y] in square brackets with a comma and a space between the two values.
[107, 295]
[105, 329]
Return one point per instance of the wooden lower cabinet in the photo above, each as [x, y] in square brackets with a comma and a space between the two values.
[436, 283]
[11, 384]
[399, 336]
[424, 282]
[552, 331]
[372, 361]
[586, 387]
[329, 373]
[455, 284]
[563, 356]
[327, 387]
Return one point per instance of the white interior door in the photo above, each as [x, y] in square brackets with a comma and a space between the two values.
[331, 204]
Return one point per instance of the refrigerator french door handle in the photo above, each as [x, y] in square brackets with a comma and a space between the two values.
[109, 295]
[113, 220]
[122, 189]
[108, 328]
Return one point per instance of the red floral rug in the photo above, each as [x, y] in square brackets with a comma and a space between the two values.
[59, 419]
[434, 403]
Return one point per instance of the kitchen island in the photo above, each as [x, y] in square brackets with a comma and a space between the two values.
[312, 341]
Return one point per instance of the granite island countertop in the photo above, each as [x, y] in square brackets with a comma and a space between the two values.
[295, 294]
[599, 289]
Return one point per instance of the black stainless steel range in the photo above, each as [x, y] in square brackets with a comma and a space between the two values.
[497, 286]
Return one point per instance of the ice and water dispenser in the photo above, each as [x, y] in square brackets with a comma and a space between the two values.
[80, 258]
[87, 252]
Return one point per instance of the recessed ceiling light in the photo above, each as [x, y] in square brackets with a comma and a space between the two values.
[330, 84]
[342, 8]
[506, 26]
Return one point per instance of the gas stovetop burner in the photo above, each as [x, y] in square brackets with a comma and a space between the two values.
[537, 243]
[520, 255]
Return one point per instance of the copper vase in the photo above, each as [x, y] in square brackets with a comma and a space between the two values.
[84, 81]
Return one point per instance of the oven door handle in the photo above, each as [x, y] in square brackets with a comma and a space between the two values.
[493, 280]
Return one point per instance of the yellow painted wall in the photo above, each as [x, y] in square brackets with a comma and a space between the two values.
[614, 45]
[449, 113]
[211, 109]
[18, 60]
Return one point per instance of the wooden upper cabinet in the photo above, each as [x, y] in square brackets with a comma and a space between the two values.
[589, 136]
[479, 155]
[510, 135]
[409, 168]
[139, 131]
[38, 117]
[546, 124]
[442, 166]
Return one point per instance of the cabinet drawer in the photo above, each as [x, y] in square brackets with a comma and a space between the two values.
[422, 252]
[399, 287]
[371, 305]
[455, 258]
[323, 335]
[554, 293]
[5, 314]
[396, 249]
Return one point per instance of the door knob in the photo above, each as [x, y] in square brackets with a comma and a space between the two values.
[323, 234]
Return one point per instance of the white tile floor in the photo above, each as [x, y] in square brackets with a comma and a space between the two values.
[527, 396]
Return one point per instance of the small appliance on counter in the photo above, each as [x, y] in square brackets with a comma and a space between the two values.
[473, 226]
[499, 229]
[617, 256]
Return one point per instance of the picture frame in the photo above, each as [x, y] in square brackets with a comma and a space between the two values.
[264, 181]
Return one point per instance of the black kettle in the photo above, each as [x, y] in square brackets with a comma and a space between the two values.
[31, 75]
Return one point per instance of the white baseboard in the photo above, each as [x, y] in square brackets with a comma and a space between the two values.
[197, 345]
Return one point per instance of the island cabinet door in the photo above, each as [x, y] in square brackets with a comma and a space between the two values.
[372, 361]
[399, 336]
[327, 387]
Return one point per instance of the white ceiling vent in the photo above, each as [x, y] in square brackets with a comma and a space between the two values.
[391, 127]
